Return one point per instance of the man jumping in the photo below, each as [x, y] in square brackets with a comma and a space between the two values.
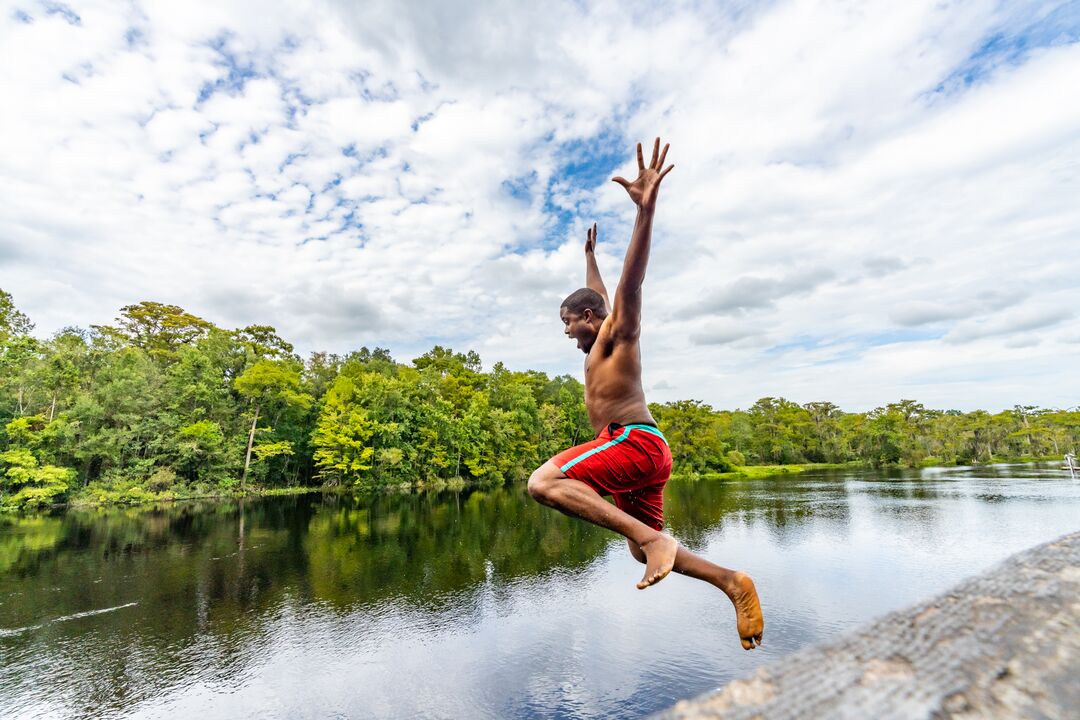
[629, 459]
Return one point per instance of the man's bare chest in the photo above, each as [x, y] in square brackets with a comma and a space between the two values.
[600, 370]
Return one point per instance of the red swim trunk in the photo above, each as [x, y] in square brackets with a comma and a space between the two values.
[631, 463]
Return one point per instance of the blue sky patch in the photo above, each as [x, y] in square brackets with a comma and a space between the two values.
[236, 74]
[421, 120]
[296, 102]
[521, 188]
[582, 164]
[289, 160]
[134, 37]
[591, 161]
[800, 342]
[203, 134]
[55, 8]
[891, 337]
[851, 347]
[1012, 46]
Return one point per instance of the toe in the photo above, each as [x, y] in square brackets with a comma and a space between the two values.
[746, 644]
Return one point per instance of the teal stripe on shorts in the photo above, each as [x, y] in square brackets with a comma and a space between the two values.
[649, 429]
[590, 453]
[613, 442]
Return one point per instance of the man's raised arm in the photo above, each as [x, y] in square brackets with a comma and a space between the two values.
[592, 272]
[626, 313]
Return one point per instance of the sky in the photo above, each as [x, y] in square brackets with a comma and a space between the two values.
[871, 200]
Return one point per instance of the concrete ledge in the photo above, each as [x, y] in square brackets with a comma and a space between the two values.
[1005, 644]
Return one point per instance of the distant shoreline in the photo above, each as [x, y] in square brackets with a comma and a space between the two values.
[753, 472]
[748, 472]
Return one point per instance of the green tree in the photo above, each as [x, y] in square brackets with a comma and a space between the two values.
[884, 438]
[262, 341]
[691, 429]
[201, 448]
[23, 473]
[269, 384]
[13, 323]
[160, 329]
[830, 441]
[342, 436]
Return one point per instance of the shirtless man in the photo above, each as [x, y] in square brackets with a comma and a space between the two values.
[629, 459]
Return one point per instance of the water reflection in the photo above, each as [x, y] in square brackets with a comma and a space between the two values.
[476, 603]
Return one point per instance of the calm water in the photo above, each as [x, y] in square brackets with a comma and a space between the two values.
[468, 605]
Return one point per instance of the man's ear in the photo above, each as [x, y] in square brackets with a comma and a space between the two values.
[587, 315]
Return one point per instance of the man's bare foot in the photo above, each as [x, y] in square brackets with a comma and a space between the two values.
[748, 618]
[659, 559]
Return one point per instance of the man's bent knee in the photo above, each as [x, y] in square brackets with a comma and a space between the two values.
[539, 483]
[537, 486]
[543, 481]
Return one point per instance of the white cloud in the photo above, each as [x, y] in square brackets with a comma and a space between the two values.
[849, 219]
[1010, 324]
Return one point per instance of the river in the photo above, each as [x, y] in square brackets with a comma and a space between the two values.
[477, 604]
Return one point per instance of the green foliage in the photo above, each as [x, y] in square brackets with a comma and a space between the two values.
[12, 321]
[778, 431]
[273, 389]
[693, 432]
[201, 448]
[34, 484]
[262, 341]
[160, 329]
[27, 479]
[167, 405]
[269, 380]
[122, 492]
[342, 436]
[265, 451]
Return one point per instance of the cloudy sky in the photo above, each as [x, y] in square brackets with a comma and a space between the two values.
[871, 200]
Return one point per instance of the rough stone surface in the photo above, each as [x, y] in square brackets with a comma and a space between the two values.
[1005, 644]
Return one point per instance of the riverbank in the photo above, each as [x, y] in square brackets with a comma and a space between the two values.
[96, 497]
[92, 498]
[753, 472]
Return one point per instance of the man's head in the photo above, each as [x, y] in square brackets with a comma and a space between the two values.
[582, 313]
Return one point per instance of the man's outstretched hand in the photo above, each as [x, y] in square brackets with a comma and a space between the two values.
[643, 190]
[590, 239]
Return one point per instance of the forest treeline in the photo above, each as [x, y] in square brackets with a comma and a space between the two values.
[165, 404]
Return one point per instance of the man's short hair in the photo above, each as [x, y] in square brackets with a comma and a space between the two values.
[584, 299]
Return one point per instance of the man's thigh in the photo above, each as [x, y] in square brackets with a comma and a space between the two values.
[646, 504]
[549, 474]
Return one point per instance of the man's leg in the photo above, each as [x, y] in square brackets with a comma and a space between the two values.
[736, 585]
[551, 487]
